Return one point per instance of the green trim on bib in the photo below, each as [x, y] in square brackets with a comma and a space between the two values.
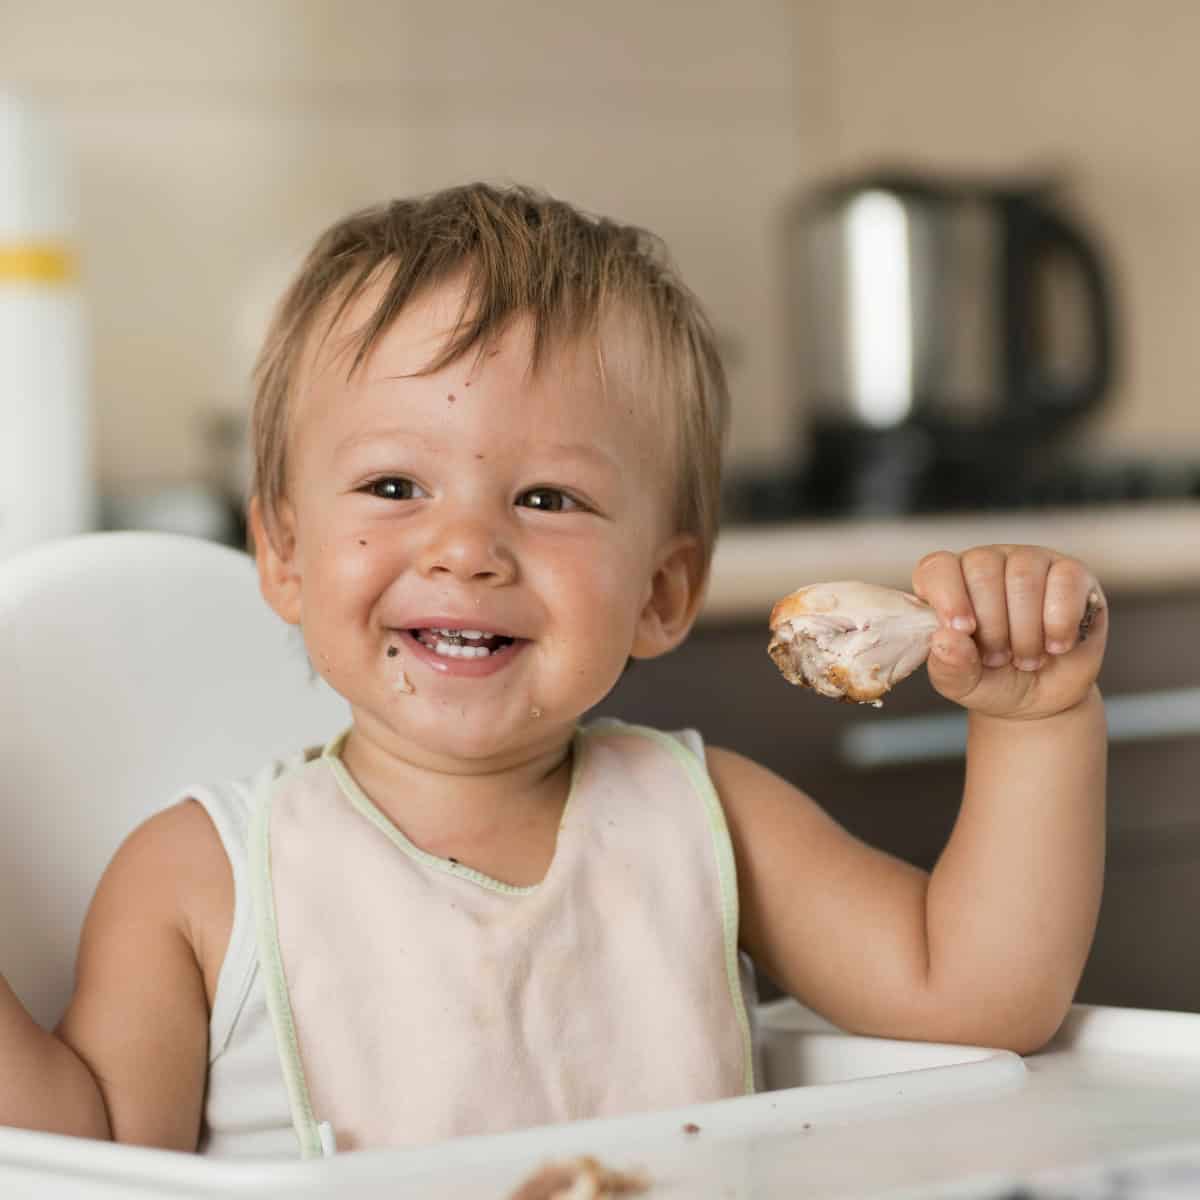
[698, 776]
[270, 959]
[367, 808]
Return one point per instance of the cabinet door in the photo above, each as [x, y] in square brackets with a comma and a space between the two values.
[1146, 953]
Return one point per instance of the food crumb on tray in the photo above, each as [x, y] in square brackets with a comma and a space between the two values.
[580, 1179]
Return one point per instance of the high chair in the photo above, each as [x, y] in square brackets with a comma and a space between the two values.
[132, 665]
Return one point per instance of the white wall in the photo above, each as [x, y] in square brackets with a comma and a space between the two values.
[215, 140]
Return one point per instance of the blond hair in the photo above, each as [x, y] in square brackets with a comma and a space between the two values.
[522, 254]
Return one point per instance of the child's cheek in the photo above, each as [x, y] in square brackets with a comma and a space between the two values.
[600, 585]
[354, 560]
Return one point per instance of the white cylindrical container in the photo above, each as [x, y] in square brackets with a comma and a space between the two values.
[47, 483]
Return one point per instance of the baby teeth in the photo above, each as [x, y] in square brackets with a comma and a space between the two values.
[458, 643]
[453, 650]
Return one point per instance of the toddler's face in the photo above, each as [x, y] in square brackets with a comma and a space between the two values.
[531, 508]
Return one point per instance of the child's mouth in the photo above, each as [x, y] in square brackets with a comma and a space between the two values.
[461, 643]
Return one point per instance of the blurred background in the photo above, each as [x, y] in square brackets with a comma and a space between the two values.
[951, 248]
[207, 145]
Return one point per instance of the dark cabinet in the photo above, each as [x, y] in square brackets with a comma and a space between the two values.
[893, 776]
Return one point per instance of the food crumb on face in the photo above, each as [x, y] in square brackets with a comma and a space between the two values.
[404, 684]
[392, 651]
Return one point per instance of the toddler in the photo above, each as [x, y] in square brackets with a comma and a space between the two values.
[487, 433]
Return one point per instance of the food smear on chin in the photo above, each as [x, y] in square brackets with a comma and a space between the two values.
[850, 641]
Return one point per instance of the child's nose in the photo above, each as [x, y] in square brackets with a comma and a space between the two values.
[469, 548]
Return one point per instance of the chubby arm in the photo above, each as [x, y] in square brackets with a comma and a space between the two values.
[129, 1059]
[44, 1084]
[987, 950]
[989, 947]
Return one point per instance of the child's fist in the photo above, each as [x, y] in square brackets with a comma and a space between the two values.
[1022, 628]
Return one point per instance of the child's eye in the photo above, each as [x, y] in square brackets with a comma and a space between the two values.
[393, 487]
[548, 499]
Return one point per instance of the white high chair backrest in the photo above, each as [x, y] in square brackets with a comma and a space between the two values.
[132, 665]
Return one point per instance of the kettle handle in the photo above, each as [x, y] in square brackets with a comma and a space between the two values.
[1032, 232]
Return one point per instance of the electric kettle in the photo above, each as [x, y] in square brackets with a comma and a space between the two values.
[941, 321]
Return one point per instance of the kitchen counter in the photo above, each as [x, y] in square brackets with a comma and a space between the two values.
[1136, 547]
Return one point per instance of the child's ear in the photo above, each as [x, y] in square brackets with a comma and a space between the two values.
[676, 590]
[275, 554]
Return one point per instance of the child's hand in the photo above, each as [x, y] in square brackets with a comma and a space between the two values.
[1011, 643]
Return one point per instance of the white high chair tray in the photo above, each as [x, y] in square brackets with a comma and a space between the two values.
[1116, 1093]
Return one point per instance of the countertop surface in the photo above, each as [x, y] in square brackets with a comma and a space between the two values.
[1131, 548]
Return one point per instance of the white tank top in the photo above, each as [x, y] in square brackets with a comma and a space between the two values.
[612, 986]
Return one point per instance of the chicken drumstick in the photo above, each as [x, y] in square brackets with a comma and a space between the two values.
[851, 641]
[856, 641]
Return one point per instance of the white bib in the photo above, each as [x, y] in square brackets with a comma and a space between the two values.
[415, 999]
